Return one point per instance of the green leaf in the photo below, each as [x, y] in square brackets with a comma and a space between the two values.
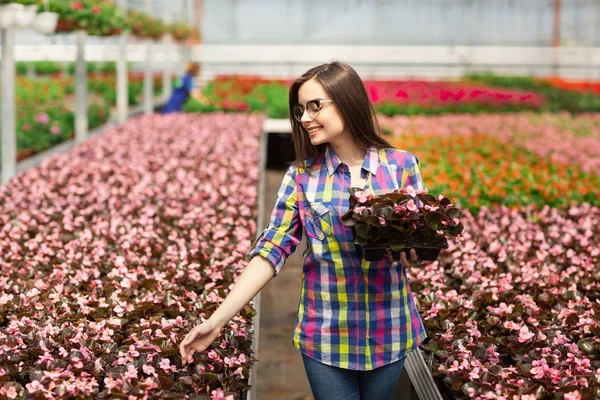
[434, 220]
[362, 230]
[587, 345]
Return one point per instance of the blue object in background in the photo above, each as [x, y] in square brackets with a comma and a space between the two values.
[181, 92]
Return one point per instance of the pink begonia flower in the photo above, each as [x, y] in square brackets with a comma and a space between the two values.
[359, 209]
[165, 364]
[412, 206]
[11, 392]
[131, 373]
[573, 395]
[149, 370]
[431, 208]
[34, 386]
[410, 190]
[55, 130]
[242, 358]
[363, 195]
[46, 358]
[109, 382]
[229, 361]
[213, 355]
[132, 351]
[42, 118]
[239, 372]
[524, 334]
[218, 394]
[398, 209]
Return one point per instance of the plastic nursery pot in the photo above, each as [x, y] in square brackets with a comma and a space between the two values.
[45, 22]
[427, 252]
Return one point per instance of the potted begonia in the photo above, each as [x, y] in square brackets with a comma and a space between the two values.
[394, 222]
[145, 26]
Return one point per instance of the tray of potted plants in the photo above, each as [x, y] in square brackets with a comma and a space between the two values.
[398, 221]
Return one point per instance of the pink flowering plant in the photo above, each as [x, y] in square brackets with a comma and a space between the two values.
[406, 218]
[110, 253]
[514, 312]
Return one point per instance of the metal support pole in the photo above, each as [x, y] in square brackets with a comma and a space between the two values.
[122, 80]
[9, 137]
[148, 82]
[81, 120]
[590, 48]
[556, 38]
[167, 82]
[122, 77]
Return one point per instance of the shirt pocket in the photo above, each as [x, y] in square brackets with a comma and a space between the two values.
[318, 222]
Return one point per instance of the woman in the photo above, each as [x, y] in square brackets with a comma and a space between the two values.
[356, 320]
[183, 89]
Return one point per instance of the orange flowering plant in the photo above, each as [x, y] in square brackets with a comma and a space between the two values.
[395, 221]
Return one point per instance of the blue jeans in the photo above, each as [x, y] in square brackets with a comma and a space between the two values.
[333, 383]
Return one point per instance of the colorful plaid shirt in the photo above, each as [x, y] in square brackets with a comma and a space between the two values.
[352, 314]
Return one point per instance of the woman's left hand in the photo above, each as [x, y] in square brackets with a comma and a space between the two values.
[403, 260]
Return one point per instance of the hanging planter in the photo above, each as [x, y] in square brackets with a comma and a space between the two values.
[97, 18]
[184, 33]
[9, 14]
[146, 26]
[25, 16]
[45, 22]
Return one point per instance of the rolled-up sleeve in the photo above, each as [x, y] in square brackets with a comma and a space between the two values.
[284, 230]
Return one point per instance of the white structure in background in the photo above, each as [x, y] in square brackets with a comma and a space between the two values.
[402, 38]
[15, 16]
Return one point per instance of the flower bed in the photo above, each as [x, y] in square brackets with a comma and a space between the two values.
[558, 97]
[515, 310]
[430, 97]
[252, 93]
[511, 160]
[113, 251]
[574, 85]
[45, 115]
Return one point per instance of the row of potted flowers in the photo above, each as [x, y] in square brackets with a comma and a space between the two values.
[249, 93]
[103, 18]
[45, 108]
[564, 139]
[514, 311]
[559, 94]
[137, 235]
[474, 94]
[480, 170]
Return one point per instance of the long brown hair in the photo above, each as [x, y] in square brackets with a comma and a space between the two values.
[344, 86]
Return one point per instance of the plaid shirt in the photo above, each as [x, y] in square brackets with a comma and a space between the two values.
[352, 314]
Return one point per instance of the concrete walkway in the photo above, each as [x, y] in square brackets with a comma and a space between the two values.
[280, 370]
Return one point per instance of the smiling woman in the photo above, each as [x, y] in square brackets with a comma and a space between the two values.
[357, 320]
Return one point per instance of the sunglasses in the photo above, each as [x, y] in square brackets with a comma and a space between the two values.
[312, 107]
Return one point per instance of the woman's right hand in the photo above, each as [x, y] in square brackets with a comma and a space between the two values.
[198, 339]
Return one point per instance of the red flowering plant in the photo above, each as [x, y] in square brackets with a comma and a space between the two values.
[96, 17]
[394, 221]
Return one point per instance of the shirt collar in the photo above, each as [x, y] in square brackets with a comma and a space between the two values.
[369, 164]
